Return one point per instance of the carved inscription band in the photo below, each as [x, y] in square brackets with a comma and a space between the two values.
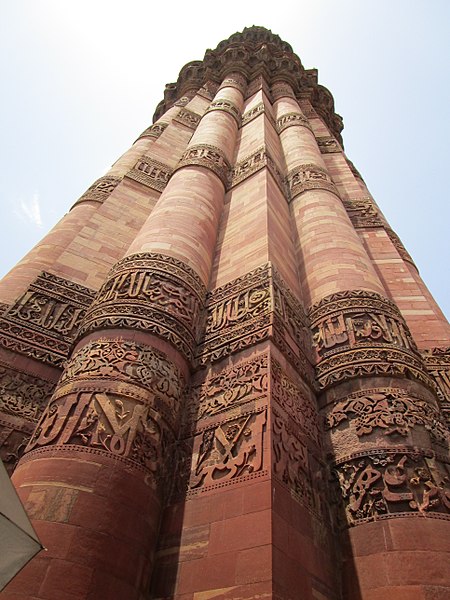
[154, 293]
[207, 156]
[151, 173]
[362, 333]
[154, 131]
[290, 119]
[309, 177]
[99, 190]
[227, 106]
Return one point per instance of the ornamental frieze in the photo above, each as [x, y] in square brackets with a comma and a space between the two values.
[229, 452]
[100, 189]
[396, 241]
[309, 177]
[357, 318]
[391, 410]
[258, 83]
[44, 321]
[252, 164]
[363, 212]
[151, 173]
[357, 333]
[252, 113]
[114, 424]
[151, 292]
[296, 402]
[291, 119]
[210, 157]
[253, 308]
[231, 388]
[115, 362]
[328, 145]
[390, 483]
[188, 118]
[437, 362]
[23, 395]
[227, 106]
[235, 80]
[154, 131]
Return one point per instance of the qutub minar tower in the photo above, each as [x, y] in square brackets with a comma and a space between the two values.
[222, 376]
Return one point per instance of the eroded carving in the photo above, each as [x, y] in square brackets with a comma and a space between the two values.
[23, 395]
[100, 189]
[210, 157]
[151, 173]
[151, 292]
[309, 177]
[229, 451]
[226, 106]
[393, 410]
[290, 119]
[328, 145]
[389, 483]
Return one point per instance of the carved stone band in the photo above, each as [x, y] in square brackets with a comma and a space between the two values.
[389, 483]
[154, 131]
[151, 173]
[290, 119]
[254, 163]
[99, 190]
[252, 308]
[235, 80]
[309, 177]
[210, 157]
[328, 145]
[363, 212]
[282, 91]
[188, 118]
[152, 292]
[226, 106]
[359, 333]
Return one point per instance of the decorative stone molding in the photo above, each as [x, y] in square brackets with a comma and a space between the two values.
[235, 80]
[328, 145]
[393, 410]
[391, 483]
[358, 333]
[23, 395]
[309, 177]
[258, 83]
[210, 157]
[437, 362]
[254, 163]
[250, 309]
[44, 321]
[229, 452]
[279, 91]
[151, 173]
[208, 90]
[292, 398]
[256, 54]
[154, 131]
[99, 190]
[252, 113]
[226, 106]
[188, 118]
[363, 212]
[150, 292]
[290, 119]
[229, 390]
[117, 398]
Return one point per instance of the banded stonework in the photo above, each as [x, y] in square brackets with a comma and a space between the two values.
[151, 173]
[100, 190]
[44, 321]
[154, 293]
[240, 409]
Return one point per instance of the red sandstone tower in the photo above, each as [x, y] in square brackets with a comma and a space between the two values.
[221, 371]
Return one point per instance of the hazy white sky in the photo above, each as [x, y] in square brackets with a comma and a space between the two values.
[81, 79]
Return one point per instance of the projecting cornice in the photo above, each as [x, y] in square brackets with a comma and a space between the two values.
[254, 52]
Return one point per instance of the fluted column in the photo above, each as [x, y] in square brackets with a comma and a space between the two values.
[384, 429]
[114, 418]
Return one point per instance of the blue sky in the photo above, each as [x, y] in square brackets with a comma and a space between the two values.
[81, 81]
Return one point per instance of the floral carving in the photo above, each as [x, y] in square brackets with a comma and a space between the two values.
[391, 409]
